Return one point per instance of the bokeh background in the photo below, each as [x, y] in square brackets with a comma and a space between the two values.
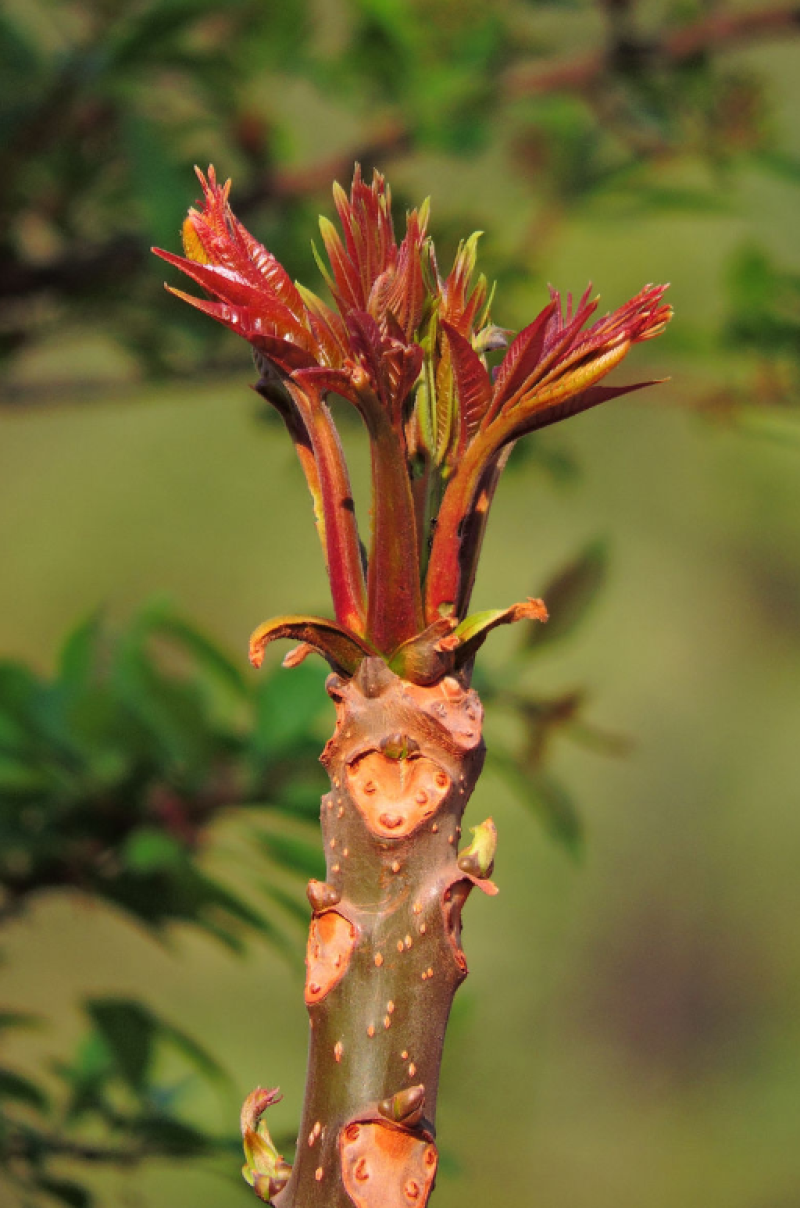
[630, 1032]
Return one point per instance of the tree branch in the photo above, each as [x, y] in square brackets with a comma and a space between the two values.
[713, 33]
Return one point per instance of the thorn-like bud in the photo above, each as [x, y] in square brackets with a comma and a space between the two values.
[478, 858]
[373, 677]
[321, 895]
[335, 686]
[405, 1107]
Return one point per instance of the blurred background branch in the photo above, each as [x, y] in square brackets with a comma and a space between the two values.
[584, 106]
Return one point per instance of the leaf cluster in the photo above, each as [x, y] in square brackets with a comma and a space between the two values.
[113, 771]
[124, 1097]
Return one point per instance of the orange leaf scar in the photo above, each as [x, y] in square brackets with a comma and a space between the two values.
[331, 940]
[395, 796]
[385, 1167]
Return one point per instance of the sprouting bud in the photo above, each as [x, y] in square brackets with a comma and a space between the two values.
[398, 746]
[405, 1107]
[255, 1105]
[321, 895]
[373, 677]
[491, 339]
[264, 1168]
[478, 858]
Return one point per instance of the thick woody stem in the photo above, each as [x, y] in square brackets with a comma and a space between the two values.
[384, 952]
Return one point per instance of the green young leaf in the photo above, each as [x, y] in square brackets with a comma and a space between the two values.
[474, 629]
[428, 656]
[569, 596]
[478, 857]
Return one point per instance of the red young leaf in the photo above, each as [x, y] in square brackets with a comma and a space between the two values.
[522, 357]
[251, 328]
[367, 341]
[573, 405]
[229, 286]
[473, 384]
[406, 298]
[347, 290]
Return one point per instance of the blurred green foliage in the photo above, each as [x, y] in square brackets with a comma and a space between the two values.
[112, 772]
[111, 776]
[591, 109]
[110, 1105]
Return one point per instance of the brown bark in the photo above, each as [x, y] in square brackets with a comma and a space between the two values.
[384, 952]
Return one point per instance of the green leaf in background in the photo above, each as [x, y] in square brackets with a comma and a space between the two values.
[147, 32]
[294, 854]
[159, 620]
[87, 1075]
[132, 1033]
[66, 1192]
[288, 703]
[158, 178]
[569, 595]
[21, 779]
[546, 796]
[764, 304]
[169, 712]
[167, 1135]
[128, 1029]
[79, 654]
[22, 1090]
[293, 905]
[299, 797]
[150, 850]
[19, 1019]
